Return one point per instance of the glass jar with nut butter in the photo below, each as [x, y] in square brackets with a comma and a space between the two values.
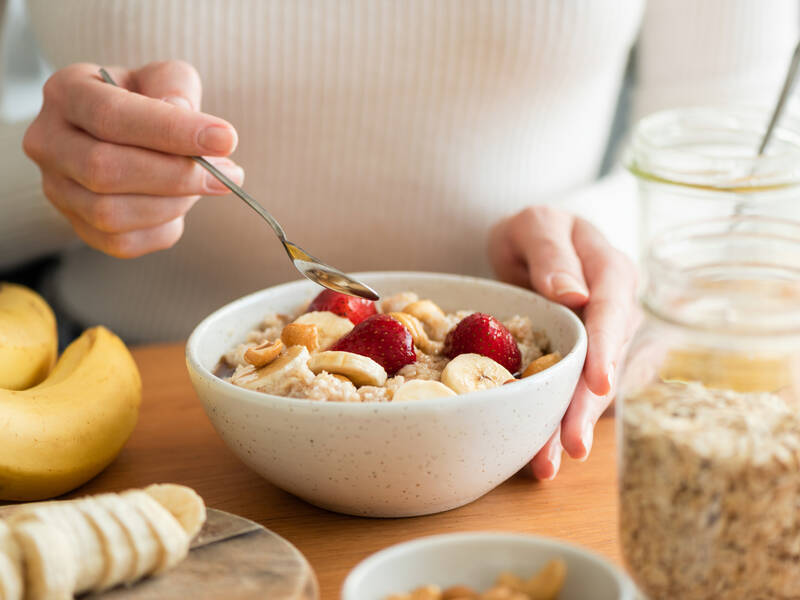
[702, 163]
[708, 415]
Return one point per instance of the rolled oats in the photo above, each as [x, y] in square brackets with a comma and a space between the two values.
[710, 493]
[326, 387]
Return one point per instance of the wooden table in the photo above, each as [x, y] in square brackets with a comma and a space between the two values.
[175, 442]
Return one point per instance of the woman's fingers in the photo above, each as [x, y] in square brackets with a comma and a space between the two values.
[542, 238]
[173, 81]
[106, 168]
[577, 426]
[130, 244]
[117, 115]
[611, 307]
[507, 262]
[546, 463]
[114, 213]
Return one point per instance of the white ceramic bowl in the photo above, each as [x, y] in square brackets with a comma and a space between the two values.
[384, 459]
[475, 560]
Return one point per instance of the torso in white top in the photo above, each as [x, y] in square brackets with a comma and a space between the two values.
[381, 134]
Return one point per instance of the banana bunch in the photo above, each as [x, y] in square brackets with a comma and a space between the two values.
[28, 341]
[59, 425]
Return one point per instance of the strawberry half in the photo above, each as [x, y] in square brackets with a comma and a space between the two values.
[349, 307]
[383, 339]
[482, 334]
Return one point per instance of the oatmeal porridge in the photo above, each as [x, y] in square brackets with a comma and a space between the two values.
[344, 349]
[709, 492]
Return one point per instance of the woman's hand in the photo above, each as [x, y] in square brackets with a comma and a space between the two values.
[569, 261]
[110, 157]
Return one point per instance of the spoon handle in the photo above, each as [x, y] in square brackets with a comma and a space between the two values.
[787, 87]
[251, 202]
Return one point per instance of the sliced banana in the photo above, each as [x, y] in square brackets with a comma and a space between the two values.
[86, 544]
[11, 581]
[361, 370]
[330, 327]
[295, 358]
[171, 537]
[118, 555]
[79, 533]
[183, 503]
[418, 334]
[50, 572]
[421, 389]
[398, 302]
[145, 547]
[472, 372]
[432, 316]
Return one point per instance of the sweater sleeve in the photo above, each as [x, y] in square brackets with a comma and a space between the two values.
[692, 53]
[29, 226]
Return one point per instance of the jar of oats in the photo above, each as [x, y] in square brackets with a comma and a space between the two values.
[708, 415]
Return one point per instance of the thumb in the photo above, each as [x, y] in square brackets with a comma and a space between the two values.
[173, 81]
[543, 237]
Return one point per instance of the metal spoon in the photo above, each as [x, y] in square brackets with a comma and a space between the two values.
[788, 83]
[787, 88]
[310, 266]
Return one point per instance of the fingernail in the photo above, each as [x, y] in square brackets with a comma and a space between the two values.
[555, 460]
[217, 139]
[564, 283]
[234, 172]
[178, 101]
[610, 376]
[587, 438]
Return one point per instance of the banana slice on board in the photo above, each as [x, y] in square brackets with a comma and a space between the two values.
[118, 554]
[89, 547]
[143, 543]
[183, 503]
[361, 370]
[472, 372]
[50, 570]
[421, 389]
[173, 540]
[85, 546]
[11, 581]
[330, 326]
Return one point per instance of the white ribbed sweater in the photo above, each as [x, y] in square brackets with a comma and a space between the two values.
[382, 134]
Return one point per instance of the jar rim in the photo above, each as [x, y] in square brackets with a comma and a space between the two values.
[716, 148]
[742, 288]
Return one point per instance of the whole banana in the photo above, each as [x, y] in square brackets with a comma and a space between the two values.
[62, 432]
[28, 339]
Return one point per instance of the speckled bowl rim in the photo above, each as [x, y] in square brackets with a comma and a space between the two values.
[576, 353]
[443, 541]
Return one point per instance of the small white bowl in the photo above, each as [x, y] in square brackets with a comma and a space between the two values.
[476, 559]
[385, 459]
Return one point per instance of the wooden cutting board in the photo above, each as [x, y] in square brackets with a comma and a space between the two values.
[257, 564]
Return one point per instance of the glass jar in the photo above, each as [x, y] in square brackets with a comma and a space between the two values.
[708, 415]
[701, 163]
